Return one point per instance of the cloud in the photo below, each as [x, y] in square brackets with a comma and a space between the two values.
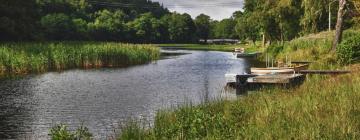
[216, 9]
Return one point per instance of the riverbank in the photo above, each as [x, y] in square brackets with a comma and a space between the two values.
[24, 58]
[323, 107]
[209, 47]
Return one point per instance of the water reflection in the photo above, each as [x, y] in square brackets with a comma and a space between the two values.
[101, 99]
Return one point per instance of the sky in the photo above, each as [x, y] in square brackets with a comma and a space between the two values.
[216, 9]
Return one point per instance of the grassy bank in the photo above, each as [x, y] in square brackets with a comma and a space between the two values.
[313, 48]
[324, 107]
[203, 47]
[23, 58]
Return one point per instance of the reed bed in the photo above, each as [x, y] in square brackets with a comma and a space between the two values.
[23, 58]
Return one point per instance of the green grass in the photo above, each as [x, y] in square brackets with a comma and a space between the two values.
[23, 58]
[324, 107]
[225, 48]
[313, 48]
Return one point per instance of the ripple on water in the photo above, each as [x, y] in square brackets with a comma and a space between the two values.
[101, 99]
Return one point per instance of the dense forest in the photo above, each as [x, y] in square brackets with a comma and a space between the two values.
[144, 21]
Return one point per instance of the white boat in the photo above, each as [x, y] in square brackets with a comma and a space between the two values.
[265, 71]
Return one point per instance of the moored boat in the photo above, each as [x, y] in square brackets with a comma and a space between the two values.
[280, 70]
[240, 53]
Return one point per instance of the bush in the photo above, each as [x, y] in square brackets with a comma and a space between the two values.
[275, 49]
[349, 50]
[61, 132]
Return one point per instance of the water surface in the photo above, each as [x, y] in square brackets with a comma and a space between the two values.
[101, 99]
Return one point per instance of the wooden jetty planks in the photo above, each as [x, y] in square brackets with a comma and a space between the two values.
[324, 72]
[276, 79]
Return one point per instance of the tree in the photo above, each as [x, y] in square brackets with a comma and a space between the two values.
[18, 20]
[247, 28]
[108, 25]
[57, 26]
[146, 28]
[225, 29]
[237, 14]
[203, 26]
[315, 16]
[356, 12]
[287, 15]
[81, 29]
[181, 28]
[339, 24]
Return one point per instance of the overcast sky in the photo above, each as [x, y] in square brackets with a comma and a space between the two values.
[216, 9]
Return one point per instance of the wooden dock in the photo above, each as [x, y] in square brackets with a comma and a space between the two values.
[244, 81]
[330, 72]
[276, 79]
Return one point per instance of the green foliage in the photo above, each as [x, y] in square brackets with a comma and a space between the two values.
[132, 130]
[323, 107]
[315, 15]
[60, 132]
[274, 49]
[180, 28]
[57, 26]
[18, 20]
[108, 25]
[146, 28]
[349, 50]
[225, 29]
[22, 58]
[277, 20]
[192, 122]
[203, 26]
[247, 28]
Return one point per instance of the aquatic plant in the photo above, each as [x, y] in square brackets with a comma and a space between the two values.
[22, 58]
[61, 132]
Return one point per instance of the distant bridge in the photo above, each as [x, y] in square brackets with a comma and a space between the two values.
[220, 41]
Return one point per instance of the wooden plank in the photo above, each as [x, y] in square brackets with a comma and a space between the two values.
[324, 71]
[275, 79]
[301, 62]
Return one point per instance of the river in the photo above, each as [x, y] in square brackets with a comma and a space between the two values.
[102, 99]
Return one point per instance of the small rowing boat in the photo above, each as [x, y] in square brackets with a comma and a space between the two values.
[240, 53]
[280, 70]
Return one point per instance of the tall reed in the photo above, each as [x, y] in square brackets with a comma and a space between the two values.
[22, 58]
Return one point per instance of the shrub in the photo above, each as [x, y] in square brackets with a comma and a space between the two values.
[349, 50]
[275, 49]
[60, 132]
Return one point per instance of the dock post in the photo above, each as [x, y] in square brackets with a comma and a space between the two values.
[242, 84]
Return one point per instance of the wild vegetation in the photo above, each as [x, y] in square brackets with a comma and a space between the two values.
[323, 107]
[144, 21]
[22, 58]
[316, 48]
[213, 47]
